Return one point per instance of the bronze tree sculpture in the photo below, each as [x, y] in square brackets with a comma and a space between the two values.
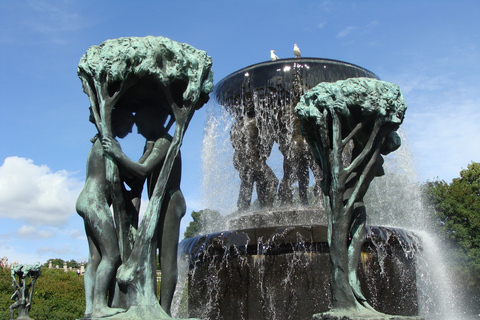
[129, 76]
[349, 124]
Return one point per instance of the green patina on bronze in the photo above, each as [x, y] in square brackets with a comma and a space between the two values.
[349, 124]
[149, 76]
[23, 283]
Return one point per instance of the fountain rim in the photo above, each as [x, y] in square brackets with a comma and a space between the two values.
[315, 235]
[293, 60]
[220, 83]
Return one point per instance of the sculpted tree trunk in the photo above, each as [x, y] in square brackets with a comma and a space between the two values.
[133, 74]
[23, 283]
[348, 125]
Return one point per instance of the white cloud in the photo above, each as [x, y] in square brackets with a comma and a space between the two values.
[64, 250]
[77, 234]
[446, 140]
[19, 256]
[45, 234]
[35, 193]
[54, 18]
[326, 5]
[26, 231]
[421, 82]
[31, 232]
[5, 236]
[346, 31]
[442, 122]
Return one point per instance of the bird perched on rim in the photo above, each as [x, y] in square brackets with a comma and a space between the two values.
[296, 51]
[273, 56]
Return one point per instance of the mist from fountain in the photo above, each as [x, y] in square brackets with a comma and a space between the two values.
[220, 180]
[395, 200]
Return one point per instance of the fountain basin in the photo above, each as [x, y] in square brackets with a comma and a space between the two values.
[283, 273]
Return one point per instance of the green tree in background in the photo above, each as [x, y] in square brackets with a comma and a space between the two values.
[59, 262]
[202, 222]
[58, 295]
[457, 214]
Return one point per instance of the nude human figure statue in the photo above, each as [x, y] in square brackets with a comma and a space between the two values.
[150, 123]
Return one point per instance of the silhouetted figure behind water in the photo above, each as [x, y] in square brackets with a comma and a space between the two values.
[249, 159]
[297, 160]
[264, 115]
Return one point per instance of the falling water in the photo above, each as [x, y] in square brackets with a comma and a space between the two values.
[395, 200]
[221, 183]
[180, 303]
[220, 180]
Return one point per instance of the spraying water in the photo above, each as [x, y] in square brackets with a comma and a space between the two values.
[395, 200]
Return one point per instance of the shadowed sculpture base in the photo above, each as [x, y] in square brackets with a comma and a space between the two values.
[141, 313]
[379, 316]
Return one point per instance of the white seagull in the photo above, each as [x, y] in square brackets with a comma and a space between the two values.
[296, 51]
[273, 56]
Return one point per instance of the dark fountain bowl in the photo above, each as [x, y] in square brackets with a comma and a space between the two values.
[284, 272]
[281, 74]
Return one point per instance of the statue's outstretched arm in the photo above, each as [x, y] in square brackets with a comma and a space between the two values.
[141, 170]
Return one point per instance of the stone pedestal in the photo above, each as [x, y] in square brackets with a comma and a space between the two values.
[24, 318]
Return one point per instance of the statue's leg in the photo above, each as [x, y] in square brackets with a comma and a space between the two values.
[246, 189]
[285, 190]
[358, 234]
[175, 208]
[12, 308]
[267, 184]
[90, 271]
[303, 180]
[101, 232]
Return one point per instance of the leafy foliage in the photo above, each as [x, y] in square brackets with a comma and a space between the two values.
[59, 262]
[202, 220]
[457, 213]
[58, 295]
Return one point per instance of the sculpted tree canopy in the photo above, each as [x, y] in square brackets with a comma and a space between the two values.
[348, 125]
[143, 81]
[23, 283]
[116, 61]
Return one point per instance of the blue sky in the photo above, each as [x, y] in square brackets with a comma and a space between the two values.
[431, 49]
